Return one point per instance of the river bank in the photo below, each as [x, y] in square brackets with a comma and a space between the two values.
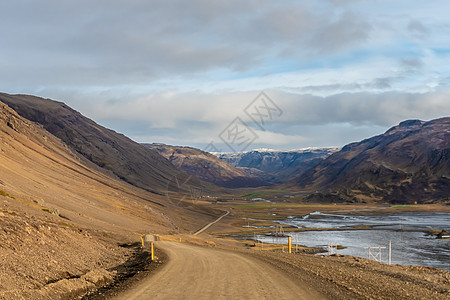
[411, 229]
[348, 277]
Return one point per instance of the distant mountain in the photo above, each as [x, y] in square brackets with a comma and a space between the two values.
[277, 166]
[407, 164]
[114, 152]
[206, 166]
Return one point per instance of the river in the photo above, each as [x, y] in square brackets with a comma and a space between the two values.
[410, 244]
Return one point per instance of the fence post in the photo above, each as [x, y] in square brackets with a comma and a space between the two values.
[390, 251]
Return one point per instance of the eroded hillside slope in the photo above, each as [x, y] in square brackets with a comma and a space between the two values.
[113, 152]
[62, 219]
[206, 166]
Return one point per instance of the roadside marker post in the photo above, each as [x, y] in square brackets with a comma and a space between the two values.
[143, 242]
[289, 245]
[153, 252]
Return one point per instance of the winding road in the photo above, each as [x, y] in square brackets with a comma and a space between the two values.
[212, 223]
[194, 272]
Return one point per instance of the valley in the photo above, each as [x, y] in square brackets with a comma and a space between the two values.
[233, 149]
[76, 198]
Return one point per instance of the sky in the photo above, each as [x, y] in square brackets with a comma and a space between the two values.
[233, 75]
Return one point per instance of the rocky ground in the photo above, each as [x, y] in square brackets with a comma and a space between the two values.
[348, 277]
[334, 277]
[40, 259]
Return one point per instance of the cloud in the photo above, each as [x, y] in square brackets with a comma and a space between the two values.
[375, 84]
[114, 42]
[417, 29]
[348, 29]
[182, 70]
[280, 139]
[383, 109]
[412, 64]
[307, 120]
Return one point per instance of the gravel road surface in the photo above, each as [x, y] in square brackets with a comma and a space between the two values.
[194, 272]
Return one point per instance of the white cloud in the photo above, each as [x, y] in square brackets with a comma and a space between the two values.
[181, 71]
[198, 118]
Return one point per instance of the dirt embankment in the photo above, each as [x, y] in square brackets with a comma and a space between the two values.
[48, 260]
[359, 278]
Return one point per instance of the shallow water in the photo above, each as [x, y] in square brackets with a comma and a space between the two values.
[408, 247]
[405, 220]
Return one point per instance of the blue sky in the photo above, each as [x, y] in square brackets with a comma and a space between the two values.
[180, 72]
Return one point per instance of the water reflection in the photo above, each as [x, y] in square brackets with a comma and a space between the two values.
[406, 220]
[408, 247]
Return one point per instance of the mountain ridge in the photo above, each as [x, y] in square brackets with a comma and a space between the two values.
[277, 166]
[115, 153]
[206, 166]
[408, 163]
[64, 221]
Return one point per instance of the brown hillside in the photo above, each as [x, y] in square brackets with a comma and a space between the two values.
[61, 218]
[112, 151]
[409, 163]
[206, 166]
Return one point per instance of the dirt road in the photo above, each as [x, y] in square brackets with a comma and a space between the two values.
[194, 272]
[212, 223]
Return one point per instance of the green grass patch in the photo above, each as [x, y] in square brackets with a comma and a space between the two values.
[5, 194]
[66, 224]
[46, 210]
[278, 205]
[250, 206]
[266, 193]
[253, 195]
[403, 207]
[8, 212]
